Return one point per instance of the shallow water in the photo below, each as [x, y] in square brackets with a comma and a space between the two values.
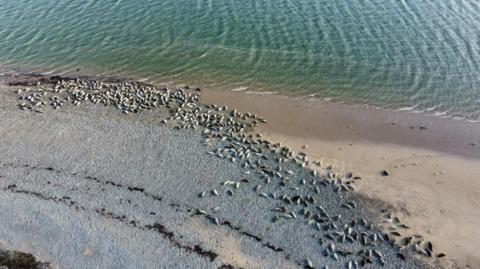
[422, 55]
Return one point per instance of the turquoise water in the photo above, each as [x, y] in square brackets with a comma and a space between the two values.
[390, 53]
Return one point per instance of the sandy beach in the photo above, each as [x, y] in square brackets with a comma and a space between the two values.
[89, 186]
[433, 163]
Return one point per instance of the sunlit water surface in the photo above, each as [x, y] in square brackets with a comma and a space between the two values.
[421, 54]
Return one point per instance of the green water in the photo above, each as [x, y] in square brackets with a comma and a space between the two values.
[422, 54]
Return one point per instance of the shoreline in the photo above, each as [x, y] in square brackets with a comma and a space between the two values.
[370, 124]
[344, 136]
[172, 81]
[336, 121]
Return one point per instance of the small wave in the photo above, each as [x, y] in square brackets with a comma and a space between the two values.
[239, 89]
[261, 93]
[407, 108]
[49, 72]
[440, 113]
[166, 82]
[458, 118]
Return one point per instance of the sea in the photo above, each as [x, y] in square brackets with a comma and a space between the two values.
[412, 55]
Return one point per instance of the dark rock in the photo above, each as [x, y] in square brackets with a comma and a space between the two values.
[384, 173]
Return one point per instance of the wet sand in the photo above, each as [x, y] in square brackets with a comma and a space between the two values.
[433, 163]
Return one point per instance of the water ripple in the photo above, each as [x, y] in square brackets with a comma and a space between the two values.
[390, 53]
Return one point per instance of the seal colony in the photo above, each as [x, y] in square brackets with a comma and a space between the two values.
[299, 194]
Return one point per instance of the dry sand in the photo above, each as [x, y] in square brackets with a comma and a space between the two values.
[433, 163]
